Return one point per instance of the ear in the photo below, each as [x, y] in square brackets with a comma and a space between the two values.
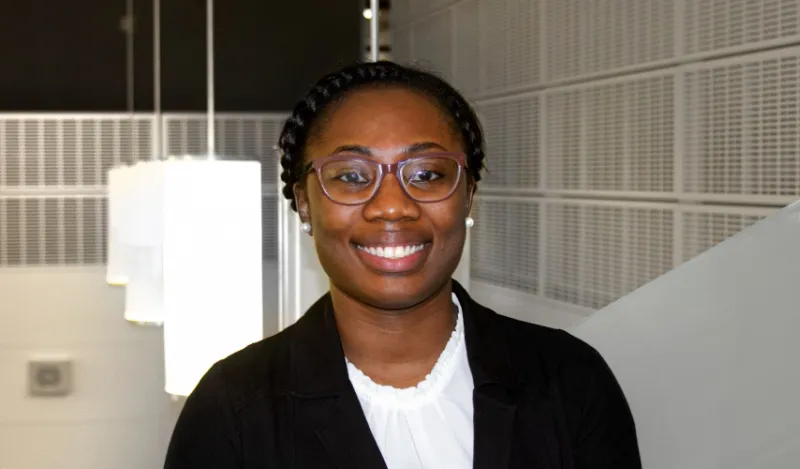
[301, 199]
[472, 188]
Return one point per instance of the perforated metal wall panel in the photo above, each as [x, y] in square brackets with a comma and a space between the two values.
[588, 36]
[269, 231]
[64, 159]
[614, 136]
[237, 137]
[511, 128]
[650, 134]
[42, 151]
[597, 253]
[704, 230]
[582, 99]
[505, 242]
[605, 135]
[562, 124]
[648, 238]
[741, 128]
[716, 25]
[562, 253]
[509, 37]
[435, 35]
[52, 231]
[563, 38]
[467, 47]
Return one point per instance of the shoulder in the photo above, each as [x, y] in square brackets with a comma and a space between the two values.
[580, 384]
[258, 371]
[552, 347]
[554, 358]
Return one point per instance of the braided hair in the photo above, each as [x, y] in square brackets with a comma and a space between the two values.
[335, 86]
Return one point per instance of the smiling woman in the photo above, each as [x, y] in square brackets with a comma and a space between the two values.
[397, 366]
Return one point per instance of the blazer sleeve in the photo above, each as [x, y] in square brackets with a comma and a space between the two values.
[205, 435]
[604, 433]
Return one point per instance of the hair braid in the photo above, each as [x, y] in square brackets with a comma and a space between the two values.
[332, 87]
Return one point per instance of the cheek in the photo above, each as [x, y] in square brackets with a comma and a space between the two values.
[450, 228]
[331, 222]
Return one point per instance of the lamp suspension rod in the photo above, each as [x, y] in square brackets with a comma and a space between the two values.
[210, 78]
[374, 46]
[158, 136]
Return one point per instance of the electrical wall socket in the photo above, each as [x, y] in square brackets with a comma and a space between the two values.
[49, 376]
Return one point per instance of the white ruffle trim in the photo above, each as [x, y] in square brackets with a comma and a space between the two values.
[431, 386]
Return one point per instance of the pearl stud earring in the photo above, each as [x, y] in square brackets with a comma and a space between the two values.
[305, 227]
[470, 222]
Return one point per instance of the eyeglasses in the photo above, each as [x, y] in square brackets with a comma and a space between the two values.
[354, 180]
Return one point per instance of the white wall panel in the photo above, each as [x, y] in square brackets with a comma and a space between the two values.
[505, 244]
[57, 230]
[713, 25]
[741, 125]
[586, 37]
[40, 150]
[466, 76]
[596, 252]
[53, 173]
[509, 44]
[244, 136]
[634, 101]
[563, 130]
[511, 128]
[615, 135]
[705, 227]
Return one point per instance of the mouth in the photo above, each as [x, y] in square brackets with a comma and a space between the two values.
[395, 258]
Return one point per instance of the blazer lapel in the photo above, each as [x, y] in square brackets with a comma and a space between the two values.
[493, 398]
[346, 435]
[325, 402]
[494, 429]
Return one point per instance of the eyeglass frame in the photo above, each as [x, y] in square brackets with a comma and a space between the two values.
[384, 169]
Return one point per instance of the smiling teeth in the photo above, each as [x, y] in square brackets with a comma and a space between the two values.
[393, 252]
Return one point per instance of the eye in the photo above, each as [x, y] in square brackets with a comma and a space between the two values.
[424, 175]
[352, 177]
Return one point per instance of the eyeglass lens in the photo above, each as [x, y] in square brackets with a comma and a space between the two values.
[426, 179]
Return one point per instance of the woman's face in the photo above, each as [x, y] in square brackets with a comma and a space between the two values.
[387, 125]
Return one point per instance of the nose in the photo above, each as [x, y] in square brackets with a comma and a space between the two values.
[391, 203]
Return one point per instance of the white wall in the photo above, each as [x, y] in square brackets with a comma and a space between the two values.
[707, 354]
[527, 307]
[118, 415]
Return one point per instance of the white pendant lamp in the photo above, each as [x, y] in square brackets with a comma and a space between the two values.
[187, 242]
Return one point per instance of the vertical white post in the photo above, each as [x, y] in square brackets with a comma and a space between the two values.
[374, 43]
[130, 59]
[210, 77]
[157, 131]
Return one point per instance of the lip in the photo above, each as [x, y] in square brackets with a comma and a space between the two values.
[402, 265]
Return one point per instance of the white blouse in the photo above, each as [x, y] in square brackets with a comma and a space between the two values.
[430, 425]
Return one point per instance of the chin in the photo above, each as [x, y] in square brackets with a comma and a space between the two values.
[395, 293]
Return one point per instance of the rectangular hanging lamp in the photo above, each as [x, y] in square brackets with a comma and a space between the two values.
[212, 265]
[188, 242]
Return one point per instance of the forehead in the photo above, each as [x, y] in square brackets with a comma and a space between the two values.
[385, 118]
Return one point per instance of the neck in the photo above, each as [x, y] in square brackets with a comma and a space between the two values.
[394, 348]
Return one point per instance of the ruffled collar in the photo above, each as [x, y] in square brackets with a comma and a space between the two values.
[430, 387]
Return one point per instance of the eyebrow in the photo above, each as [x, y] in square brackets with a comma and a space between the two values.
[418, 147]
[359, 149]
[365, 151]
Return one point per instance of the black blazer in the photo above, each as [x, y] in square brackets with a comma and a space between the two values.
[543, 400]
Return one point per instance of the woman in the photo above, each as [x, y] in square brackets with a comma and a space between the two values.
[397, 366]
